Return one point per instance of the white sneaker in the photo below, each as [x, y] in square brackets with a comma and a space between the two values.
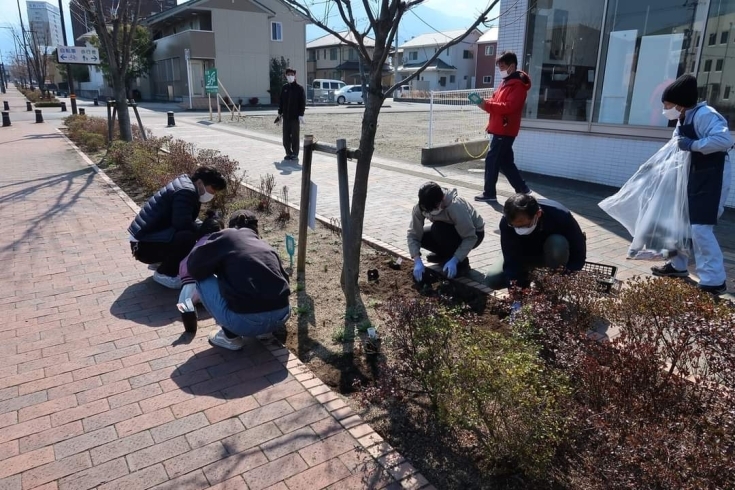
[167, 281]
[218, 338]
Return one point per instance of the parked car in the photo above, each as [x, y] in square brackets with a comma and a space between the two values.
[349, 94]
[324, 89]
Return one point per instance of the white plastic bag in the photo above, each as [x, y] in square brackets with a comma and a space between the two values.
[653, 205]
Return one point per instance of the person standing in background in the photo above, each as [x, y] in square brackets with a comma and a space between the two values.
[291, 107]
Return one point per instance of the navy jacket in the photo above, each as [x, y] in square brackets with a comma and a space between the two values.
[555, 220]
[173, 208]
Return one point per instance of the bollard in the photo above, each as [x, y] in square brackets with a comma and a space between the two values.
[39, 116]
[29, 106]
[6, 119]
[96, 102]
[171, 121]
[73, 98]
[82, 112]
[63, 107]
[6, 107]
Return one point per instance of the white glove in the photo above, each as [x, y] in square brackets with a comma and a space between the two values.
[301, 119]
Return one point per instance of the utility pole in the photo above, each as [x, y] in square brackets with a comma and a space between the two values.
[25, 45]
[72, 95]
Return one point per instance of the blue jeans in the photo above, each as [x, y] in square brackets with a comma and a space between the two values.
[500, 158]
[238, 324]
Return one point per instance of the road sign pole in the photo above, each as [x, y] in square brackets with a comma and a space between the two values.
[209, 99]
[188, 75]
[69, 76]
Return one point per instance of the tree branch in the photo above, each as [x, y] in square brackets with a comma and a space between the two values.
[480, 19]
[306, 12]
[369, 12]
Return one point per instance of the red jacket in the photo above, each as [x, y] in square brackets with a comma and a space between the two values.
[506, 105]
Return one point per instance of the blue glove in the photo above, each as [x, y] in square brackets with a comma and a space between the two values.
[418, 269]
[685, 144]
[451, 267]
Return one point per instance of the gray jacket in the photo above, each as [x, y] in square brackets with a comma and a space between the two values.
[457, 212]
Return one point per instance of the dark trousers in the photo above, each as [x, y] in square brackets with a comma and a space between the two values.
[500, 158]
[291, 129]
[443, 240]
[168, 254]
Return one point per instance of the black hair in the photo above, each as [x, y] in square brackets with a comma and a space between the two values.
[290, 70]
[508, 58]
[520, 204]
[243, 218]
[212, 223]
[210, 177]
[430, 196]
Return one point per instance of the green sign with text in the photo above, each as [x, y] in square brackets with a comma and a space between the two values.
[210, 81]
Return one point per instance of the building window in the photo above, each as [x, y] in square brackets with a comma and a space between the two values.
[561, 46]
[718, 64]
[726, 95]
[467, 54]
[443, 81]
[707, 66]
[452, 78]
[712, 39]
[312, 55]
[641, 55]
[352, 54]
[489, 50]
[413, 55]
[487, 80]
[276, 31]
[333, 54]
[724, 37]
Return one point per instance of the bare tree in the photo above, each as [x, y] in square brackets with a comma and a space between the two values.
[115, 28]
[40, 57]
[383, 19]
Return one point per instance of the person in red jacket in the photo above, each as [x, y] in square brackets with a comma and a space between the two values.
[505, 108]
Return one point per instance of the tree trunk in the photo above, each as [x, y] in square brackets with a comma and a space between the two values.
[351, 262]
[121, 102]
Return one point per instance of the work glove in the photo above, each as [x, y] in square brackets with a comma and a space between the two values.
[685, 144]
[450, 268]
[301, 119]
[418, 269]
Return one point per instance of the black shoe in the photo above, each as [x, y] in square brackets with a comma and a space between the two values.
[667, 270]
[484, 198]
[288, 157]
[435, 259]
[722, 288]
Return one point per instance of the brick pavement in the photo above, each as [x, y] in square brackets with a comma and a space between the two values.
[99, 389]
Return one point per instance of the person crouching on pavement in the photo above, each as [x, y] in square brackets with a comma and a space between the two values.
[241, 282]
[456, 228]
[534, 235]
[211, 224]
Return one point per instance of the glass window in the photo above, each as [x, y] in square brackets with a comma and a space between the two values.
[333, 54]
[413, 55]
[276, 31]
[443, 81]
[489, 50]
[712, 39]
[561, 53]
[467, 54]
[643, 51]
[720, 19]
[487, 79]
[452, 78]
[724, 37]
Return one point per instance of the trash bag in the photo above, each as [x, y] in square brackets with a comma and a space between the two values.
[653, 206]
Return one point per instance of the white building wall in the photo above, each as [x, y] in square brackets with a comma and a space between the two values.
[602, 159]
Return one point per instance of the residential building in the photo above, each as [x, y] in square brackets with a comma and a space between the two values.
[454, 69]
[238, 38]
[598, 69]
[330, 58]
[81, 23]
[44, 23]
[487, 47]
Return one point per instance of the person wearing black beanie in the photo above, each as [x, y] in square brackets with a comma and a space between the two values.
[703, 132]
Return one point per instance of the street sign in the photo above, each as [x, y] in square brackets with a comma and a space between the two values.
[210, 81]
[78, 55]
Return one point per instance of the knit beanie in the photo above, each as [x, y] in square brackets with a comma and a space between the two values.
[683, 92]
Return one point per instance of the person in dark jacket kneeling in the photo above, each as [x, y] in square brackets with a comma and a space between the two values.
[533, 235]
[165, 229]
[241, 282]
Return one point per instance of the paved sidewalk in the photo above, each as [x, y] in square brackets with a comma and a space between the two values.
[99, 389]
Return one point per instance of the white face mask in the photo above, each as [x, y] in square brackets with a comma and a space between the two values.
[671, 114]
[506, 73]
[206, 197]
[290, 78]
[527, 230]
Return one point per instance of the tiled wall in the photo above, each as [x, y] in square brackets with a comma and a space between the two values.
[609, 160]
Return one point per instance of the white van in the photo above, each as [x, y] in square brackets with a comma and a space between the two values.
[324, 87]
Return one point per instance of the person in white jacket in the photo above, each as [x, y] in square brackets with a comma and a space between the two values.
[702, 131]
[456, 228]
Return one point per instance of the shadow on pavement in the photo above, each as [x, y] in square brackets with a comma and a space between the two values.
[149, 303]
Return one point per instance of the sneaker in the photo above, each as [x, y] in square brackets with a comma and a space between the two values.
[484, 198]
[527, 191]
[218, 338]
[722, 288]
[167, 281]
[667, 270]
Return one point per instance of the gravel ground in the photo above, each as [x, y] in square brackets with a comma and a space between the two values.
[400, 135]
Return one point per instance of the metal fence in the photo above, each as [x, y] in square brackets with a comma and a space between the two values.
[454, 119]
